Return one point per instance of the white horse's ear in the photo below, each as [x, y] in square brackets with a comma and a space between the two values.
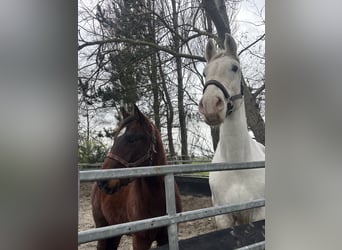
[230, 45]
[210, 50]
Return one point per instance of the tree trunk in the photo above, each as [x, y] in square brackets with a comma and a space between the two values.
[153, 75]
[217, 12]
[254, 119]
[181, 112]
[169, 110]
[155, 91]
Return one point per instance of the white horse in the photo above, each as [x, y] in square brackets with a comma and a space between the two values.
[222, 104]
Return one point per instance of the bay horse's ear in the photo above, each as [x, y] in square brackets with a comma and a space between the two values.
[210, 50]
[124, 112]
[138, 113]
[230, 45]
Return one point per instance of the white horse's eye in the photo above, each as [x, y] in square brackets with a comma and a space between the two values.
[203, 73]
[122, 131]
[235, 68]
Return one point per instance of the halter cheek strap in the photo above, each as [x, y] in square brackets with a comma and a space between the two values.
[229, 98]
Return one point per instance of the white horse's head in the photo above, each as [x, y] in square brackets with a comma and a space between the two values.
[222, 93]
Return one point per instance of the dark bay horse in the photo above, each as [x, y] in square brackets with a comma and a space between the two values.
[137, 143]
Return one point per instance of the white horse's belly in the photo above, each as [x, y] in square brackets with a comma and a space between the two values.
[237, 186]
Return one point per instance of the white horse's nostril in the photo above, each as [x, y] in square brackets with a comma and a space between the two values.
[219, 103]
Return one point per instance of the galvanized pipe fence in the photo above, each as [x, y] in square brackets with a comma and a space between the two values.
[171, 218]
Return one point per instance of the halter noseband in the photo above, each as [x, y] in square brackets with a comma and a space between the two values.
[229, 98]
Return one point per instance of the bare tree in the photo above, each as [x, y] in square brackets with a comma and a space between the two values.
[151, 52]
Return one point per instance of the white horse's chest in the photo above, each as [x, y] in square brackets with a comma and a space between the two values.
[239, 152]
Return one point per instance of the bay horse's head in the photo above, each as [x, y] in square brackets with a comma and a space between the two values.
[136, 144]
[223, 91]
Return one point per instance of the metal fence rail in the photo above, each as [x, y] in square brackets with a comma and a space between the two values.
[256, 246]
[169, 162]
[172, 218]
[92, 175]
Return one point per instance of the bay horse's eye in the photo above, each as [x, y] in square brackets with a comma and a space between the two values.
[133, 138]
[235, 68]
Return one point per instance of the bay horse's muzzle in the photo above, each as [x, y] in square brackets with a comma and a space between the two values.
[103, 186]
[113, 185]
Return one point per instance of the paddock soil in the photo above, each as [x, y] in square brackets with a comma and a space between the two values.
[186, 230]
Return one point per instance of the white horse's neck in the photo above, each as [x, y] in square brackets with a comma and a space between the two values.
[235, 142]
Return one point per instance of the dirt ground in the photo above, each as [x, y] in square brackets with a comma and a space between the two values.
[186, 230]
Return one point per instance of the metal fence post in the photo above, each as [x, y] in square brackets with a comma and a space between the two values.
[171, 211]
[78, 194]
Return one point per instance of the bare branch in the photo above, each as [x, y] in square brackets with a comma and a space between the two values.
[252, 44]
[139, 42]
[259, 90]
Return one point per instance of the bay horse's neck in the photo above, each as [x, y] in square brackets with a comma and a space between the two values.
[234, 144]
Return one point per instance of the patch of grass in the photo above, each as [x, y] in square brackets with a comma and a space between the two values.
[201, 174]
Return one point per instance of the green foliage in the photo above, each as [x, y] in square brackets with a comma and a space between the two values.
[126, 64]
[201, 174]
[91, 151]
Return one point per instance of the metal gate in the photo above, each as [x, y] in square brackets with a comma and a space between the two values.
[171, 218]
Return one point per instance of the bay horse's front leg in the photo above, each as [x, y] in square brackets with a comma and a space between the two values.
[108, 244]
[142, 240]
[162, 236]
